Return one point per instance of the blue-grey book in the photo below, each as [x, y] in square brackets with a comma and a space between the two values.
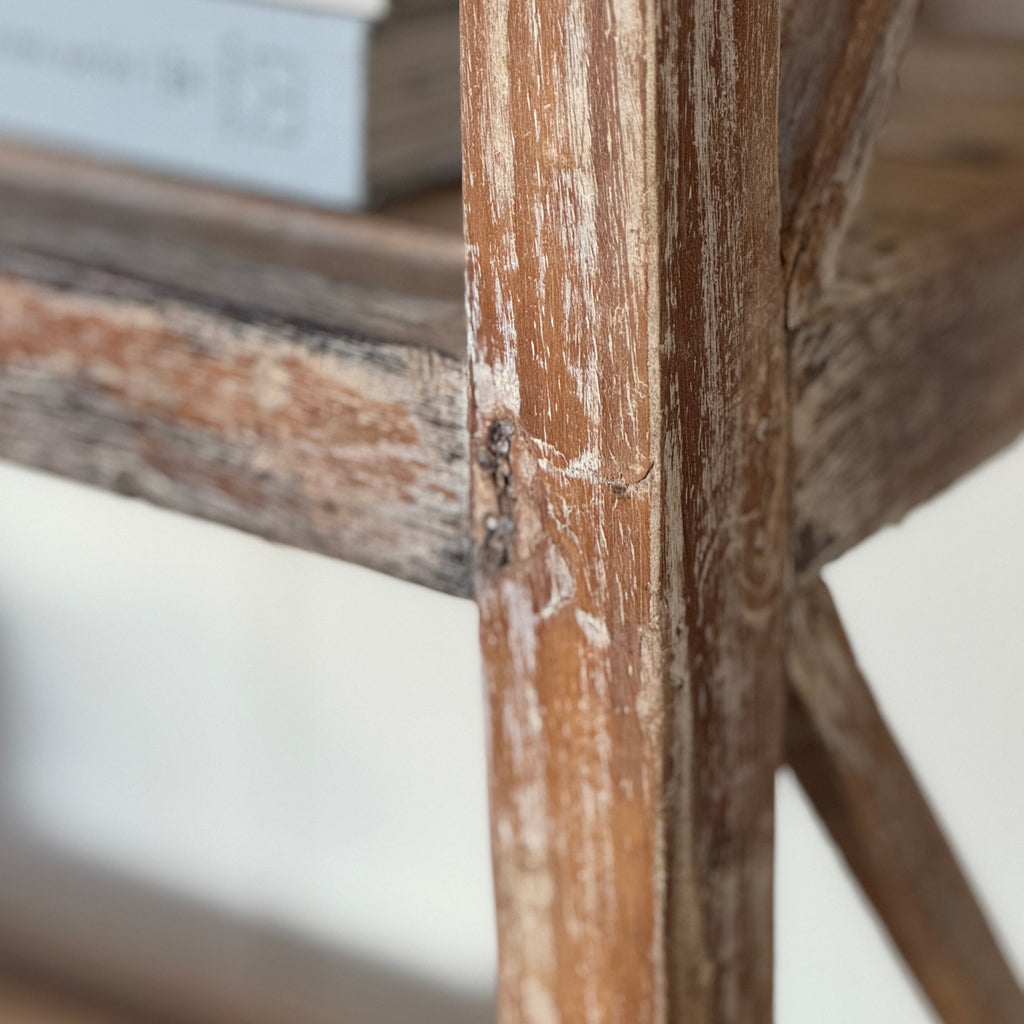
[333, 102]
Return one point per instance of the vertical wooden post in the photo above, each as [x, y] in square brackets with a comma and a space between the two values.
[629, 433]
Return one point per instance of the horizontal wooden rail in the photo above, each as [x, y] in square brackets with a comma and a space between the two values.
[912, 371]
[343, 437]
[244, 361]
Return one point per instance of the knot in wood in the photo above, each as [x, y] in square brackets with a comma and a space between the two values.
[496, 460]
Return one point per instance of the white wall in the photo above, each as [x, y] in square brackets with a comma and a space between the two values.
[280, 734]
[935, 609]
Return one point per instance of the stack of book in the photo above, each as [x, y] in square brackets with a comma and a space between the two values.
[334, 102]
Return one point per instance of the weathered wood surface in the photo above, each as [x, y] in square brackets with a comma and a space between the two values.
[860, 784]
[912, 370]
[628, 421]
[291, 372]
[342, 436]
[840, 60]
[410, 246]
[243, 361]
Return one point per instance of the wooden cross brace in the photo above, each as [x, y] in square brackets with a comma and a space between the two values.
[702, 365]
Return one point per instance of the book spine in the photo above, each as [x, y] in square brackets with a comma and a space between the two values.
[267, 98]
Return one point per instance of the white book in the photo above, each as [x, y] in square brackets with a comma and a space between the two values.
[318, 100]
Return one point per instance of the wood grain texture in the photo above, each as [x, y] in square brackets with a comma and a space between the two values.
[628, 424]
[912, 370]
[840, 60]
[413, 245]
[860, 784]
[909, 372]
[343, 438]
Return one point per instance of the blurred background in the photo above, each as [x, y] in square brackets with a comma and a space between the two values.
[259, 774]
[251, 780]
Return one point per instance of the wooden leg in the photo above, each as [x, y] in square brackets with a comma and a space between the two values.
[850, 766]
[628, 432]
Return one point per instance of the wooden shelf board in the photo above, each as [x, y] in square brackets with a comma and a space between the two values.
[410, 245]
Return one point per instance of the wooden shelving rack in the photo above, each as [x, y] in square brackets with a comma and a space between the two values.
[303, 376]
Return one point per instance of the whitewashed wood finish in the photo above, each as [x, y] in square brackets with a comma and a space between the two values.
[912, 371]
[903, 394]
[928, 279]
[405, 246]
[628, 436]
[860, 784]
[307, 434]
[840, 60]
[243, 361]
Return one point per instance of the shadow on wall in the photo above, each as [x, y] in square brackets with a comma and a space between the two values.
[117, 941]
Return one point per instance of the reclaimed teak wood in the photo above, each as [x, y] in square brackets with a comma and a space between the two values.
[722, 326]
[628, 442]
